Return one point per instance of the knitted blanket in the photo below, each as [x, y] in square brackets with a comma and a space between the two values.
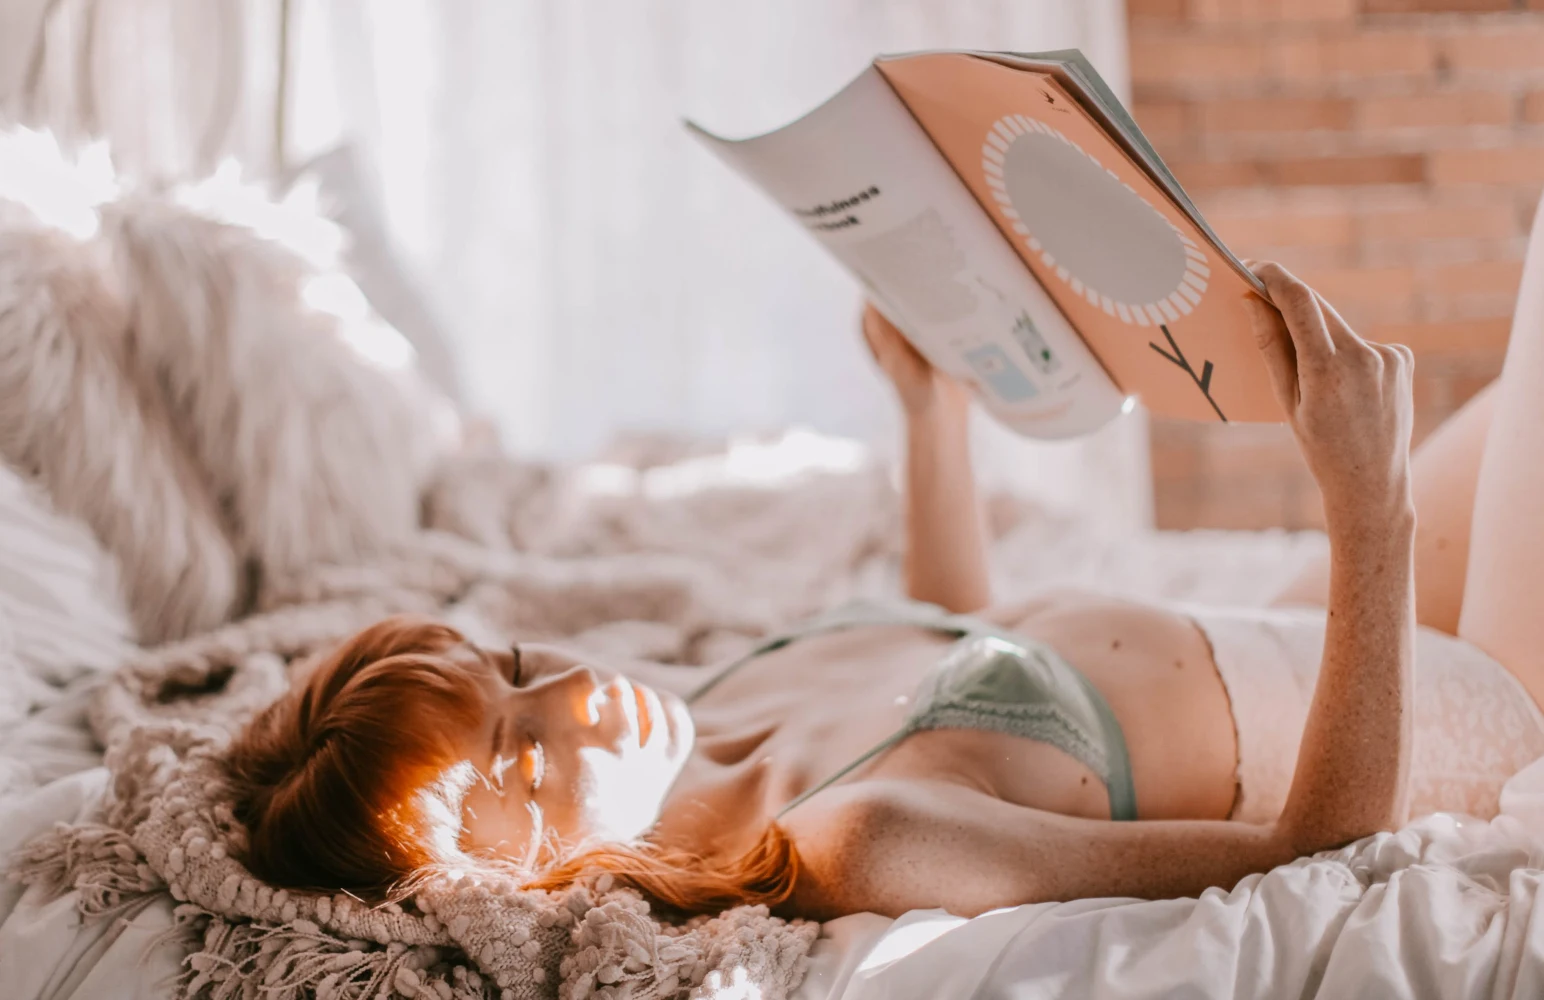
[168, 716]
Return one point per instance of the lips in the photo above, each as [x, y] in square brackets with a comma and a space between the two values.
[647, 701]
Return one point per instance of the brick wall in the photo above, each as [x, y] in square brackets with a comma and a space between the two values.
[1391, 152]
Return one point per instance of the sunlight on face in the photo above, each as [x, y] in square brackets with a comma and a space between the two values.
[567, 753]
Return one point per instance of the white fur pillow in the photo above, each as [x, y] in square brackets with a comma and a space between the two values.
[317, 452]
[60, 610]
[71, 419]
[212, 397]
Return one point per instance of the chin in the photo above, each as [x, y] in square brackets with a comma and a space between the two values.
[680, 730]
[626, 791]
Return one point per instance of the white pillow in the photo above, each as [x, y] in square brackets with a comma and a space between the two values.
[61, 613]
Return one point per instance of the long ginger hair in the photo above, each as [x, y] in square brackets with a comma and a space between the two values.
[341, 786]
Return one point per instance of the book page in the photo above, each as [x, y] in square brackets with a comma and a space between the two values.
[1139, 280]
[862, 178]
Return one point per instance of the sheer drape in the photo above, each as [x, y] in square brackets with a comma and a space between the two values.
[173, 85]
[597, 269]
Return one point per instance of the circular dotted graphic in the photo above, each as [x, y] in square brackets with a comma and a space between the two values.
[1094, 231]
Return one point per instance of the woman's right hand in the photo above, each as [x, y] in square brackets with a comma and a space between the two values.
[921, 388]
[1348, 400]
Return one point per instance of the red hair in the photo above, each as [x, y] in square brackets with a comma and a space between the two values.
[342, 785]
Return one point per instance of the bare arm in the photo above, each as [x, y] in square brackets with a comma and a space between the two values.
[1349, 404]
[945, 560]
[900, 845]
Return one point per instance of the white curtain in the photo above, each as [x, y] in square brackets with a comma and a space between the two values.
[596, 271]
[173, 85]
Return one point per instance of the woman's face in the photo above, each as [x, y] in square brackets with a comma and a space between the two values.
[567, 749]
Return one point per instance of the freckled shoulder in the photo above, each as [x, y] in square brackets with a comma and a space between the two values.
[840, 836]
[889, 846]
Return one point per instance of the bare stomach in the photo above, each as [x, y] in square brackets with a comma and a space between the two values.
[1155, 669]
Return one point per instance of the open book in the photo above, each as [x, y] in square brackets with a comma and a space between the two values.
[1007, 215]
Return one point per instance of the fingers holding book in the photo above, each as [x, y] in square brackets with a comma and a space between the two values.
[1348, 399]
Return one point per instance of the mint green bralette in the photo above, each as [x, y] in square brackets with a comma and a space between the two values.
[989, 679]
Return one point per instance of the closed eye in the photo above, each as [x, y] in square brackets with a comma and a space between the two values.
[500, 762]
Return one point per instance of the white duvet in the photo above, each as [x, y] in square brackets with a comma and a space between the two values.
[1445, 908]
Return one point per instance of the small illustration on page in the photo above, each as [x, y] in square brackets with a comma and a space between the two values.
[998, 373]
[1038, 351]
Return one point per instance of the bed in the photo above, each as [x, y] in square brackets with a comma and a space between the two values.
[1444, 908]
[684, 549]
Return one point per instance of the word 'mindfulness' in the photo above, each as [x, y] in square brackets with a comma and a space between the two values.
[819, 217]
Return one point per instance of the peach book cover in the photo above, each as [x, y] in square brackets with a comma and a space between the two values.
[1007, 214]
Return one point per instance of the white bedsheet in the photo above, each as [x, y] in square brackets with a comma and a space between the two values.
[1445, 908]
[54, 774]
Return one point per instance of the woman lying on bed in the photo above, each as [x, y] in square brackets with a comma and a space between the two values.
[963, 755]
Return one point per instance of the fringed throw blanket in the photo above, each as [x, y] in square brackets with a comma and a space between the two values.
[267, 492]
[169, 828]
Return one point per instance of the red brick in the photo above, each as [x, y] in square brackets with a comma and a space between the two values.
[1313, 58]
[1268, 11]
[1440, 340]
[1305, 509]
[1389, 168]
[1360, 288]
[1404, 207]
[1233, 505]
[1200, 175]
[1168, 124]
[1517, 165]
[1284, 228]
[1533, 105]
[1252, 450]
[1174, 461]
[1486, 277]
[1190, 61]
[1156, 10]
[1496, 50]
[1440, 222]
[1328, 171]
[1435, 110]
[1430, 390]
[1432, 6]
[1275, 114]
[1468, 384]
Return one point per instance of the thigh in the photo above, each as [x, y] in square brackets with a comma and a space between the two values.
[1502, 611]
[1445, 470]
